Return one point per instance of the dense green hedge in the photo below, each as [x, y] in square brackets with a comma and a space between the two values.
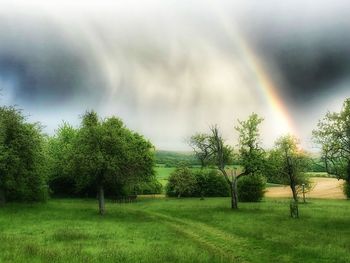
[251, 188]
[184, 182]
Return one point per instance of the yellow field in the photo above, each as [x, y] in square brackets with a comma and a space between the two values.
[328, 188]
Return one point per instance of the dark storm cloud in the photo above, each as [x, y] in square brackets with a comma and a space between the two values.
[310, 67]
[45, 66]
[303, 44]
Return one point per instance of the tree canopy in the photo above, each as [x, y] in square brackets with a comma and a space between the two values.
[333, 135]
[106, 153]
[22, 169]
[251, 154]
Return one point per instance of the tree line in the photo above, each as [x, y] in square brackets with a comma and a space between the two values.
[286, 162]
[100, 156]
[103, 157]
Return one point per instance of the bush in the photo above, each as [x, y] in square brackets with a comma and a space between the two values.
[184, 182]
[251, 188]
[346, 189]
[211, 184]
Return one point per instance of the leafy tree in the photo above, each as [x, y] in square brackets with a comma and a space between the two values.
[107, 154]
[333, 134]
[60, 150]
[22, 169]
[251, 154]
[181, 183]
[291, 163]
[210, 149]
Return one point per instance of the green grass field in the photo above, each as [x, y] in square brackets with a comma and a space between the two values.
[175, 230]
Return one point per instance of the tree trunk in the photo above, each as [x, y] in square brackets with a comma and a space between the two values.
[101, 200]
[234, 195]
[294, 191]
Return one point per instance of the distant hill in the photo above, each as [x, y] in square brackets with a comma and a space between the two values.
[174, 158]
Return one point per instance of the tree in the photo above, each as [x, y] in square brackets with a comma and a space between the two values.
[251, 154]
[106, 153]
[59, 149]
[290, 163]
[22, 169]
[186, 182]
[181, 182]
[210, 149]
[201, 147]
[333, 135]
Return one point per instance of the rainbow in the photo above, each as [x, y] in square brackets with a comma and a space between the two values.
[265, 85]
[278, 109]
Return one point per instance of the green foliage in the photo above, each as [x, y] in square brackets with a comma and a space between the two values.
[317, 165]
[287, 164]
[181, 183]
[108, 154]
[210, 184]
[22, 169]
[184, 182]
[333, 135]
[150, 187]
[251, 188]
[60, 151]
[251, 154]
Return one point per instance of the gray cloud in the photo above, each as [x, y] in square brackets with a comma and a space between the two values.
[171, 69]
[44, 66]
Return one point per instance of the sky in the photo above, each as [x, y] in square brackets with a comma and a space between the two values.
[171, 68]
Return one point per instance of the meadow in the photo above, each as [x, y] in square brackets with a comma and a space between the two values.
[175, 230]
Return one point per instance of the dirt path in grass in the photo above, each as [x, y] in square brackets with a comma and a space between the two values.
[328, 188]
[223, 245]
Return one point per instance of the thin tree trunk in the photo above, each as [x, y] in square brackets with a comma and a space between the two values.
[101, 200]
[234, 195]
[294, 209]
[294, 191]
[233, 188]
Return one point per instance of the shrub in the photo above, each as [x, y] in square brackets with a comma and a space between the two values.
[184, 182]
[211, 184]
[251, 188]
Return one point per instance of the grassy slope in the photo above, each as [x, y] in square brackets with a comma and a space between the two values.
[171, 230]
